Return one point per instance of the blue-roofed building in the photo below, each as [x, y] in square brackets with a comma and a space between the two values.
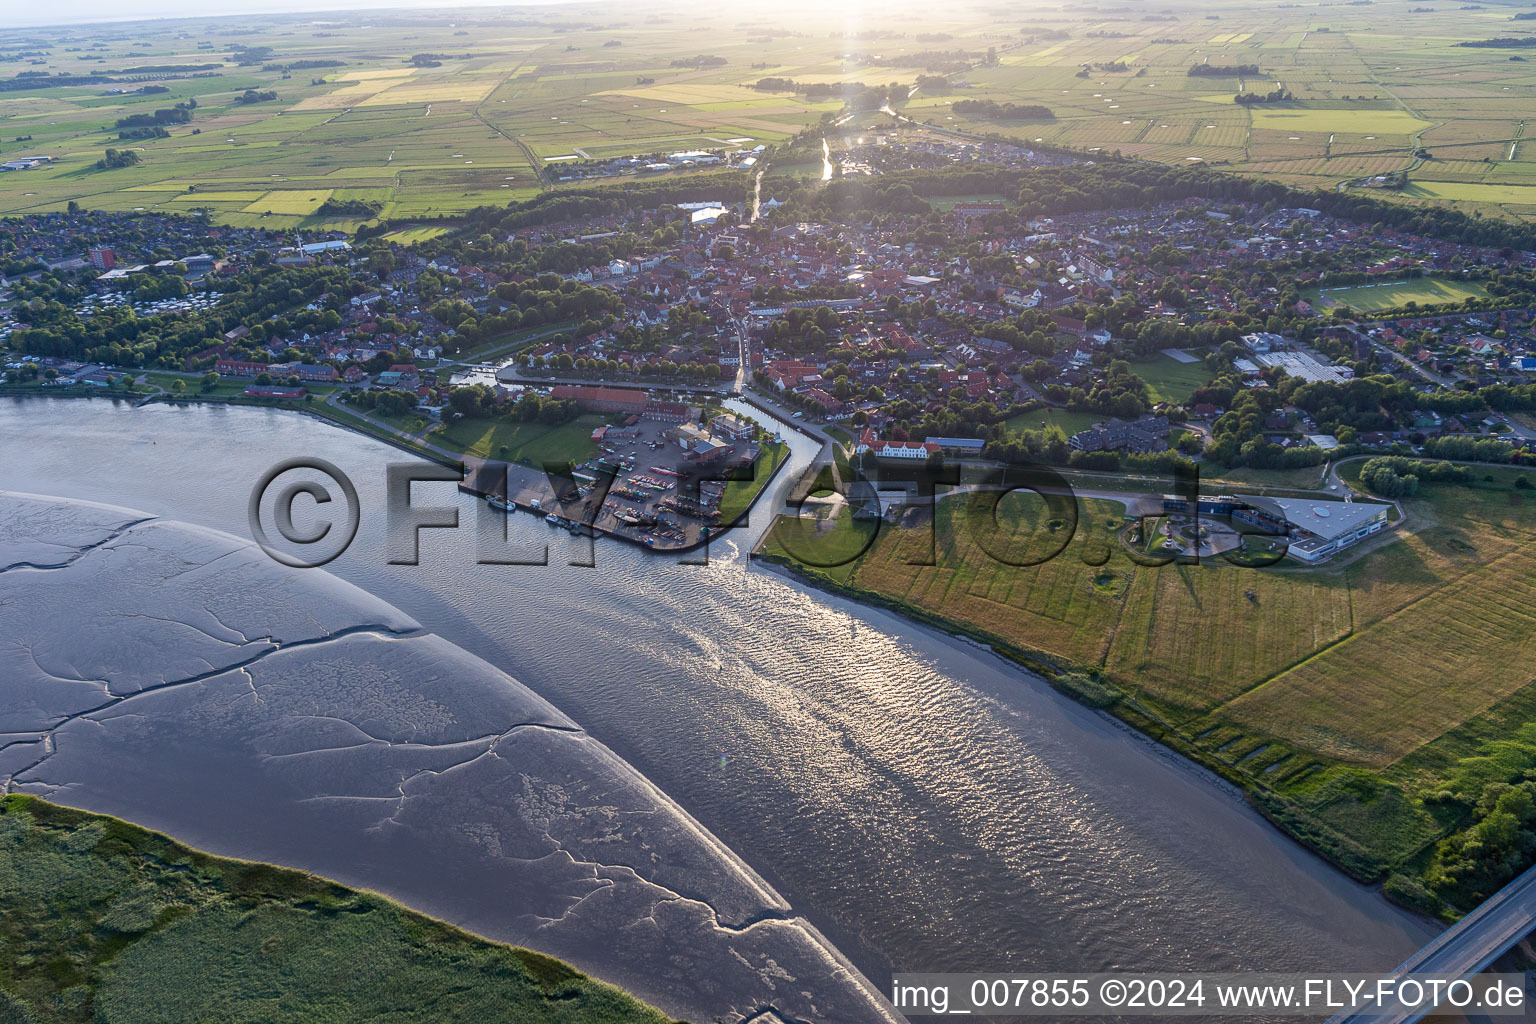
[959, 445]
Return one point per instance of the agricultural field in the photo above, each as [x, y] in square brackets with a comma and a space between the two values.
[494, 103]
[102, 920]
[1368, 298]
[1394, 664]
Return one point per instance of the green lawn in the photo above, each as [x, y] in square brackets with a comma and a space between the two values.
[103, 920]
[531, 443]
[1169, 380]
[505, 344]
[226, 385]
[410, 422]
[1069, 422]
[842, 433]
[739, 493]
[1368, 298]
[1300, 478]
[816, 547]
[347, 418]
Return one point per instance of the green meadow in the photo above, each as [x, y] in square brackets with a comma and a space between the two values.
[103, 920]
[533, 443]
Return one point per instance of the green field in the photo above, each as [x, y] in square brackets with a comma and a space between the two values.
[947, 202]
[740, 493]
[1394, 665]
[1069, 422]
[103, 920]
[1369, 298]
[507, 96]
[1169, 380]
[1471, 191]
[1360, 122]
[412, 235]
[530, 443]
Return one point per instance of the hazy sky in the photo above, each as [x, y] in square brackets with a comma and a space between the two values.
[14, 12]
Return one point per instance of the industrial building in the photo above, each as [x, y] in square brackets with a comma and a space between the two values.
[1316, 529]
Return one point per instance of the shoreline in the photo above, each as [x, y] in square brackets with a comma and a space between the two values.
[463, 466]
[1294, 823]
[922, 648]
[741, 890]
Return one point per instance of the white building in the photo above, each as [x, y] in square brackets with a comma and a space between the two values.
[1319, 529]
[1299, 364]
[1263, 341]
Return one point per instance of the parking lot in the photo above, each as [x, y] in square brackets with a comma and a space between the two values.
[661, 495]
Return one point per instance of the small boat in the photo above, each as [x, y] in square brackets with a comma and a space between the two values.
[500, 504]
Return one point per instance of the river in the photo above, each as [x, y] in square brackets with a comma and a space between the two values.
[927, 805]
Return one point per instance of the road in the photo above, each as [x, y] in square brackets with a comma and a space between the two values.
[512, 375]
[1468, 946]
[419, 439]
[1387, 350]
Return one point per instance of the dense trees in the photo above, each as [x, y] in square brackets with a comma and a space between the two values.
[992, 110]
[1473, 864]
[179, 114]
[594, 203]
[1111, 183]
[1224, 70]
[115, 158]
[1281, 95]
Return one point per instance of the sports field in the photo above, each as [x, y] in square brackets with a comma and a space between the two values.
[1169, 380]
[1069, 422]
[1389, 665]
[412, 235]
[433, 117]
[1368, 298]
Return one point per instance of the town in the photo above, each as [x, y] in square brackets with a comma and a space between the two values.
[1230, 333]
[657, 512]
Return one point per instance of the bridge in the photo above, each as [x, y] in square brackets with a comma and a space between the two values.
[1465, 948]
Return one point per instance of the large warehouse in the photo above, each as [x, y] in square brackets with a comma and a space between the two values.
[1316, 529]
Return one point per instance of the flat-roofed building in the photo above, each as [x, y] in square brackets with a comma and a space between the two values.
[960, 445]
[600, 399]
[1317, 528]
